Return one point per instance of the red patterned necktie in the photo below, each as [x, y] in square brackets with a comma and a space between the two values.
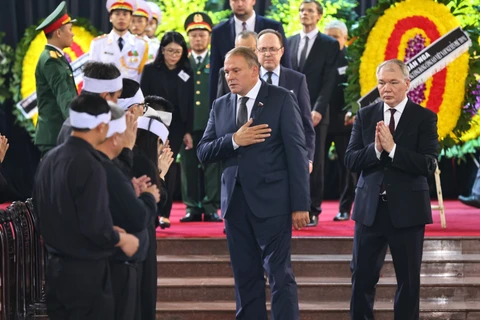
[391, 125]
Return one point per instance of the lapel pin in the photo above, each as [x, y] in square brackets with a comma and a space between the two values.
[260, 104]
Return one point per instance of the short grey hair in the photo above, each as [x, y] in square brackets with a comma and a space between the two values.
[247, 53]
[246, 34]
[337, 24]
[399, 63]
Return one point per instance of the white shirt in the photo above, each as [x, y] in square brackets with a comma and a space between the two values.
[386, 119]
[312, 35]
[250, 24]
[275, 75]
[252, 96]
[203, 55]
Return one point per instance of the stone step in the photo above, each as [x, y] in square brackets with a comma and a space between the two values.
[309, 245]
[313, 310]
[446, 265]
[316, 288]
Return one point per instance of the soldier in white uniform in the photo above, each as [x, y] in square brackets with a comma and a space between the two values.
[153, 41]
[128, 52]
[140, 19]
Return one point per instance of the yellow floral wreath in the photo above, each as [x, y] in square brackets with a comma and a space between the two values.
[403, 21]
[80, 45]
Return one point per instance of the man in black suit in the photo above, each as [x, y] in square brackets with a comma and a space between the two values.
[341, 121]
[315, 55]
[256, 132]
[244, 39]
[224, 34]
[394, 146]
[269, 52]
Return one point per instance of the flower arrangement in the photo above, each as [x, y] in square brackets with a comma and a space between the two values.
[399, 30]
[6, 57]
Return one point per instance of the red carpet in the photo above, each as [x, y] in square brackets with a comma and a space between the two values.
[461, 221]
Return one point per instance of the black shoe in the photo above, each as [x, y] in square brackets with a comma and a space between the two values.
[191, 217]
[342, 216]
[164, 224]
[212, 217]
[472, 201]
[313, 221]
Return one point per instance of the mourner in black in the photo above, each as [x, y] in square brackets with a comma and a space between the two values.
[130, 212]
[71, 200]
[170, 76]
[153, 159]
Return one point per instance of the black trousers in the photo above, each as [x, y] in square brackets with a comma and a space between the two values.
[125, 290]
[79, 289]
[148, 283]
[347, 179]
[317, 177]
[259, 245]
[369, 250]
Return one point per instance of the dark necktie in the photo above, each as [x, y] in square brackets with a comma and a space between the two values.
[303, 55]
[269, 79]
[391, 125]
[242, 117]
[120, 43]
[199, 61]
[244, 26]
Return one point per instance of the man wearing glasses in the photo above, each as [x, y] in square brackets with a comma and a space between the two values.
[269, 52]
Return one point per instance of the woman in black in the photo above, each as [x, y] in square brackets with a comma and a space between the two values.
[152, 159]
[170, 76]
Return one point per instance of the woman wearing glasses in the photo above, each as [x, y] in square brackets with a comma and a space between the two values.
[170, 76]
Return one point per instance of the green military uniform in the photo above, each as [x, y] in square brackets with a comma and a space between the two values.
[191, 168]
[55, 85]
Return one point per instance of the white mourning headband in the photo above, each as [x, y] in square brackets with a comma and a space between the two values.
[101, 86]
[83, 120]
[138, 98]
[154, 126]
[117, 126]
[164, 115]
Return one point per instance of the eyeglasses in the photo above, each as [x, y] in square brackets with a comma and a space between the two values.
[271, 50]
[173, 51]
[144, 106]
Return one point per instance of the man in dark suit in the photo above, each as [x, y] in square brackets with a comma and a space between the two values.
[244, 39]
[264, 184]
[224, 34]
[269, 52]
[394, 145]
[315, 55]
[341, 121]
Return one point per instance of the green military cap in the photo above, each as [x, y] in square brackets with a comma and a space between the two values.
[56, 19]
[198, 20]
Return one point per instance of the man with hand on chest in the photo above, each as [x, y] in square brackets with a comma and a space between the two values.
[198, 26]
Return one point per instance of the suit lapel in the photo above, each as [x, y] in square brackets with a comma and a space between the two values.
[260, 101]
[282, 80]
[380, 116]
[405, 119]
[232, 109]
[294, 51]
[232, 32]
[258, 24]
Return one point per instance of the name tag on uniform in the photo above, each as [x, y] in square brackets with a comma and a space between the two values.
[341, 70]
[110, 53]
[183, 75]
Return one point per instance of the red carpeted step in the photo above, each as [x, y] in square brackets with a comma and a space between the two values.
[462, 220]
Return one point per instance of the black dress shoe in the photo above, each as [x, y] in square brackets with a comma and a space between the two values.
[164, 224]
[313, 221]
[342, 216]
[191, 217]
[212, 217]
[472, 201]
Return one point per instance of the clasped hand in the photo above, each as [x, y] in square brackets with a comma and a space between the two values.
[383, 138]
[248, 135]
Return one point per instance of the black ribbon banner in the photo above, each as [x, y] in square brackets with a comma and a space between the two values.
[429, 61]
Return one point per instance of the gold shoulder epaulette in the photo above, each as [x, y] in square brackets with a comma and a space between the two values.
[100, 37]
[53, 54]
